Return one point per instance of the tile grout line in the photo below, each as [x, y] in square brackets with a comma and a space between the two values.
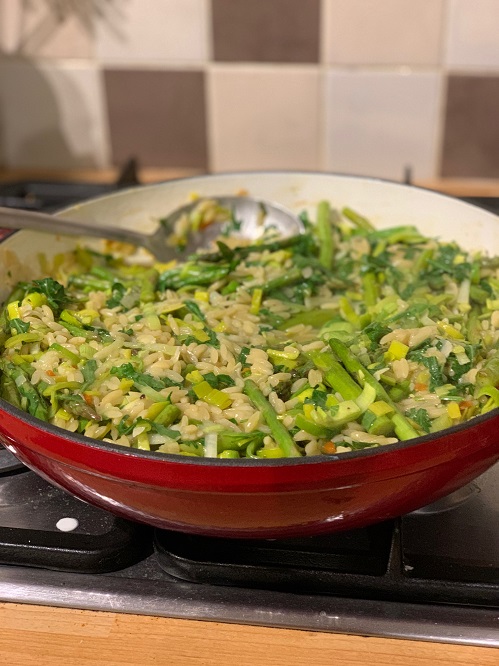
[443, 90]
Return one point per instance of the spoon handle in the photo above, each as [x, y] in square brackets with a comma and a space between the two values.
[16, 218]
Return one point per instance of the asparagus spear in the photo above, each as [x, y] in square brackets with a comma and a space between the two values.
[403, 427]
[335, 375]
[279, 433]
[192, 273]
[325, 234]
[359, 221]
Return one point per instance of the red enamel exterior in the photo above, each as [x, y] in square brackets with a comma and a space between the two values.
[266, 499]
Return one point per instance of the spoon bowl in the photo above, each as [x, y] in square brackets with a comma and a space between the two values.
[253, 217]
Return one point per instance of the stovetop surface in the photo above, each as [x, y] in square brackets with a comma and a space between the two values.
[431, 575]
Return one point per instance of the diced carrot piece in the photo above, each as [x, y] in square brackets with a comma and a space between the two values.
[464, 404]
[329, 447]
[419, 386]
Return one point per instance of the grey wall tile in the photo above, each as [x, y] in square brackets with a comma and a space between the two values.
[471, 136]
[263, 31]
[157, 116]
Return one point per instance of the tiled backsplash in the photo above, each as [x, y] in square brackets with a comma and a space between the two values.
[355, 86]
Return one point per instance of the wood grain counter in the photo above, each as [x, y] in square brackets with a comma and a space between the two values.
[46, 636]
[40, 636]
[455, 186]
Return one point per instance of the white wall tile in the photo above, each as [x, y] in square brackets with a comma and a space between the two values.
[377, 123]
[55, 119]
[473, 34]
[263, 117]
[155, 30]
[382, 32]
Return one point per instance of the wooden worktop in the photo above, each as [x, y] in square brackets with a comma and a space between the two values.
[46, 636]
[39, 636]
[455, 186]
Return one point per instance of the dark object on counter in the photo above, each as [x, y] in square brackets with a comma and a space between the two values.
[49, 195]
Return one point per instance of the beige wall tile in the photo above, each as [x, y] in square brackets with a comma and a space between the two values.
[38, 29]
[382, 32]
[379, 123]
[162, 30]
[473, 34]
[55, 118]
[263, 117]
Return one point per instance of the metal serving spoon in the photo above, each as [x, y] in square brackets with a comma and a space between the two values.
[254, 215]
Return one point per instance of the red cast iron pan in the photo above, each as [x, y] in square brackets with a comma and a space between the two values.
[274, 498]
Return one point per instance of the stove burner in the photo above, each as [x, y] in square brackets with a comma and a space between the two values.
[19, 490]
[451, 501]
[429, 556]
[33, 518]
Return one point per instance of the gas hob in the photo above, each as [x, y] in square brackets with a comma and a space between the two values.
[430, 575]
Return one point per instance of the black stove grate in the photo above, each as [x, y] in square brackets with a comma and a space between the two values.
[44, 527]
[445, 554]
[448, 553]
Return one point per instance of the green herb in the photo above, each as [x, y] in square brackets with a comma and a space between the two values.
[53, 290]
[141, 379]
[420, 416]
[19, 326]
[218, 381]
